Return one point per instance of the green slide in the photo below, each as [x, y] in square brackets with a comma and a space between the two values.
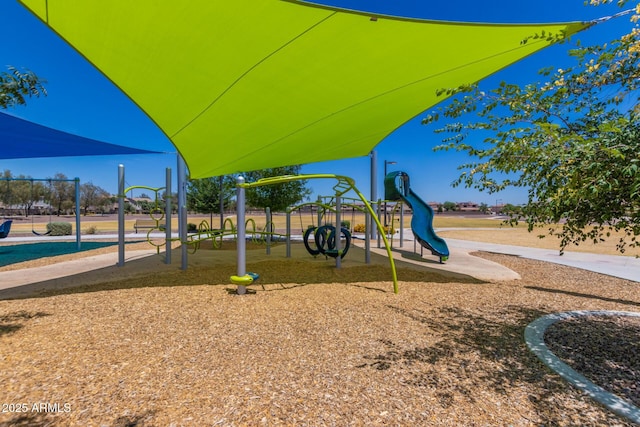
[396, 187]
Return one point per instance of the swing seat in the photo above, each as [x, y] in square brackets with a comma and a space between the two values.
[334, 253]
[5, 227]
[41, 234]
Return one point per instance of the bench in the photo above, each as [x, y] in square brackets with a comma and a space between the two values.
[146, 223]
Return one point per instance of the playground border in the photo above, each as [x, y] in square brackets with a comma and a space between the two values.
[534, 337]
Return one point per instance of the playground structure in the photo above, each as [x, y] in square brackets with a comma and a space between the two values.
[396, 185]
[255, 126]
[156, 215]
[344, 184]
[321, 238]
[266, 235]
[161, 221]
[76, 182]
[5, 227]
[326, 239]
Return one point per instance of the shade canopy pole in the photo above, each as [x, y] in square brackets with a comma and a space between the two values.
[120, 215]
[182, 210]
[167, 213]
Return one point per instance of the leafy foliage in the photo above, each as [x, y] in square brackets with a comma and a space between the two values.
[62, 195]
[277, 197]
[16, 86]
[93, 196]
[449, 206]
[203, 195]
[571, 140]
[59, 229]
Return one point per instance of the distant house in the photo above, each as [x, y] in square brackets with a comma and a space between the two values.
[37, 208]
[468, 206]
[134, 202]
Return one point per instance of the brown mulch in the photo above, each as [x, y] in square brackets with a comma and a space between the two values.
[311, 345]
[606, 350]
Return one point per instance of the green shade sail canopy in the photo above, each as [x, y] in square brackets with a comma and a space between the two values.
[250, 84]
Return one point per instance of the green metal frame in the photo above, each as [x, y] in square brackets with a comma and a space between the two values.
[155, 210]
[344, 185]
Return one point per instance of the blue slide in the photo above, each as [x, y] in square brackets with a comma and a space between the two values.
[396, 187]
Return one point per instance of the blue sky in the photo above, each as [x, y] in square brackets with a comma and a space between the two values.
[81, 101]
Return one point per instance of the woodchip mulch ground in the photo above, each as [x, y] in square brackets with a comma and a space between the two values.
[310, 346]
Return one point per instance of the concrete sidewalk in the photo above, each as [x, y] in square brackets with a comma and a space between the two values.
[14, 278]
[461, 263]
[624, 267]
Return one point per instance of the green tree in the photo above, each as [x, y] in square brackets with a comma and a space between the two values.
[511, 210]
[203, 195]
[277, 197]
[92, 196]
[6, 195]
[483, 208]
[17, 85]
[23, 192]
[174, 201]
[449, 206]
[62, 193]
[572, 140]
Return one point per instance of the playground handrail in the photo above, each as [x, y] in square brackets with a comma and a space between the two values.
[344, 184]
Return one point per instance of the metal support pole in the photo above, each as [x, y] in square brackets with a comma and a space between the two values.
[77, 182]
[240, 218]
[374, 187]
[386, 162]
[288, 234]
[401, 224]
[120, 215]
[167, 214]
[268, 229]
[378, 214]
[182, 210]
[338, 230]
[221, 182]
[367, 242]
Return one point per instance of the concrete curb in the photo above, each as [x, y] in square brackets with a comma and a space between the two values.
[534, 337]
